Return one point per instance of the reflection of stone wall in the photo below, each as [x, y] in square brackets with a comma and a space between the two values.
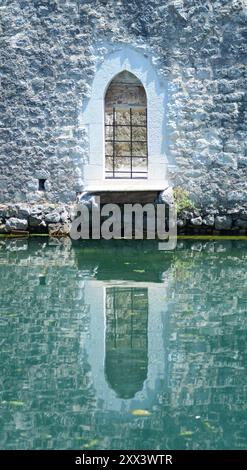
[42, 314]
[47, 400]
[207, 345]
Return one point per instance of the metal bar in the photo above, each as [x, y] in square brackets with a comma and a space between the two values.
[128, 156]
[132, 174]
[126, 125]
[122, 171]
[147, 132]
[130, 142]
[113, 143]
[127, 141]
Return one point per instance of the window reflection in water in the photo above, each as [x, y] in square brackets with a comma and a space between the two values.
[126, 357]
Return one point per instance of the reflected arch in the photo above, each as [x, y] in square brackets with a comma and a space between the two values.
[126, 339]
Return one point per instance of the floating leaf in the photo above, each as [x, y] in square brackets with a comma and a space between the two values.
[139, 270]
[91, 443]
[209, 426]
[16, 403]
[186, 433]
[140, 412]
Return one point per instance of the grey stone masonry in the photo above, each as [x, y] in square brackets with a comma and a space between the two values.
[50, 51]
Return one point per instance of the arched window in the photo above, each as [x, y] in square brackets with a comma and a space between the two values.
[126, 347]
[126, 154]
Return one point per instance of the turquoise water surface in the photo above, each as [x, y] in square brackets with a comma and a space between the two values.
[116, 345]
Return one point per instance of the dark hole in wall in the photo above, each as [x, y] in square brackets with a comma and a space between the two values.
[42, 280]
[42, 184]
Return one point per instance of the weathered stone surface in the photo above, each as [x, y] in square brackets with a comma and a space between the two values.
[186, 215]
[243, 214]
[199, 49]
[208, 220]
[59, 230]
[52, 217]
[240, 223]
[36, 221]
[23, 211]
[16, 224]
[3, 228]
[223, 222]
[196, 221]
[166, 196]
[3, 211]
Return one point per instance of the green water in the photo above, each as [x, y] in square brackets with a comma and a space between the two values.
[90, 333]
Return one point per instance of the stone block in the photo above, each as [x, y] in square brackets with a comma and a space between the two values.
[16, 224]
[223, 222]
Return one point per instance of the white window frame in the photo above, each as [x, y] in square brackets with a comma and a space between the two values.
[93, 119]
[93, 342]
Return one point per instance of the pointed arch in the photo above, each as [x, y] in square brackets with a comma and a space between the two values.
[126, 59]
[126, 152]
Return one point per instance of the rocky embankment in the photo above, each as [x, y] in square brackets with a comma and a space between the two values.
[24, 218]
[56, 220]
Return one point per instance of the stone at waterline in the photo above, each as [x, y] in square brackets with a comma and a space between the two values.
[223, 222]
[3, 228]
[59, 230]
[243, 214]
[52, 217]
[187, 215]
[208, 220]
[240, 223]
[196, 221]
[3, 211]
[37, 221]
[16, 224]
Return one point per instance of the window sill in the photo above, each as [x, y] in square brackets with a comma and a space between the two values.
[125, 185]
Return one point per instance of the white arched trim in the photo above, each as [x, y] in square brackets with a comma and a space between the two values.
[92, 119]
[93, 344]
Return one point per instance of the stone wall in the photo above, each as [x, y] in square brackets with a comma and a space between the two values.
[56, 220]
[50, 51]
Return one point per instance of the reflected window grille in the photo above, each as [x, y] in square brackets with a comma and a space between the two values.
[126, 339]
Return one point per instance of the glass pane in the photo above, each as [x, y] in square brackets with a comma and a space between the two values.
[139, 150]
[109, 116]
[122, 165]
[122, 116]
[109, 163]
[122, 133]
[108, 148]
[108, 132]
[126, 340]
[122, 149]
[139, 133]
[139, 116]
[139, 164]
[139, 168]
